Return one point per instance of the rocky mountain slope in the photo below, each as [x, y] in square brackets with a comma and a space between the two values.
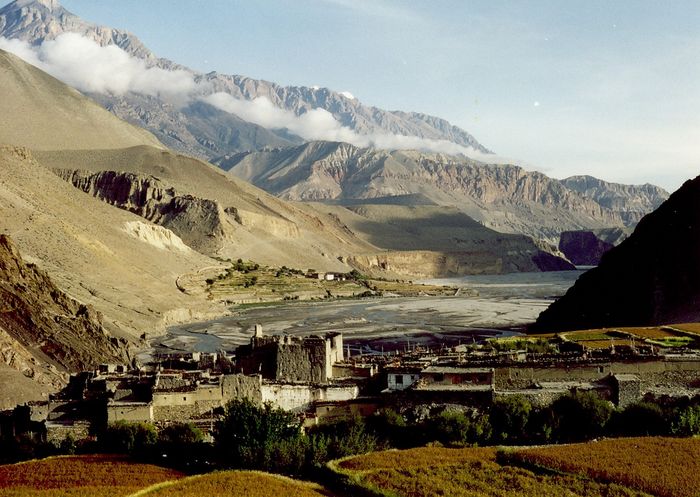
[631, 202]
[43, 332]
[429, 240]
[583, 248]
[200, 129]
[653, 277]
[503, 197]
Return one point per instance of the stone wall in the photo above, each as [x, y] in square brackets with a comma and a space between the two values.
[57, 432]
[129, 411]
[240, 386]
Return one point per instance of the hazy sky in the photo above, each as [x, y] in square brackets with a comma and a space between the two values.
[608, 88]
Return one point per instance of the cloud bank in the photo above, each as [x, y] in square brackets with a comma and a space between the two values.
[82, 63]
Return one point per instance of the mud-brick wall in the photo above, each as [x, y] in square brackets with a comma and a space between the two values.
[242, 387]
[129, 412]
[177, 406]
[303, 362]
[288, 397]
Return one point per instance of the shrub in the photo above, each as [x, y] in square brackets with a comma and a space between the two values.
[456, 428]
[687, 422]
[509, 417]
[123, 437]
[248, 436]
[580, 416]
[638, 419]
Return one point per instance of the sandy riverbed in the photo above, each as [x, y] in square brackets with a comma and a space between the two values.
[504, 302]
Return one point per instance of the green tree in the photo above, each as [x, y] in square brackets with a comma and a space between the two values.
[509, 417]
[456, 428]
[686, 422]
[580, 416]
[248, 436]
[639, 419]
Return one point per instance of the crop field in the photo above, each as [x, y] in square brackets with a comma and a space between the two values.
[78, 476]
[236, 484]
[113, 476]
[472, 472]
[664, 467]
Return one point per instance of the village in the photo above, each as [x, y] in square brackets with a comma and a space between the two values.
[313, 377]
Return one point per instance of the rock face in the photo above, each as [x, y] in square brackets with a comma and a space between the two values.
[651, 278]
[199, 129]
[583, 248]
[202, 224]
[630, 202]
[43, 332]
[503, 197]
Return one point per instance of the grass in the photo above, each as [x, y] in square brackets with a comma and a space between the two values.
[664, 467]
[472, 472]
[77, 476]
[236, 484]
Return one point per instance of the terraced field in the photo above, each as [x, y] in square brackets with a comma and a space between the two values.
[649, 466]
[78, 476]
[115, 476]
[664, 467]
[472, 472]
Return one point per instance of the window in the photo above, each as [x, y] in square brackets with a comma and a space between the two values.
[184, 398]
[399, 379]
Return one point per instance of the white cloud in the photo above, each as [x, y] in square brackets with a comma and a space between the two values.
[89, 67]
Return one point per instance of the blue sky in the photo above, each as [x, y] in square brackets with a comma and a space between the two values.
[568, 87]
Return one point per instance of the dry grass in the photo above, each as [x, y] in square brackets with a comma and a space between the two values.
[237, 483]
[428, 472]
[77, 476]
[417, 458]
[664, 467]
[604, 344]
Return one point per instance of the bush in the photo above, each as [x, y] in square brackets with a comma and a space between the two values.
[580, 416]
[639, 419]
[456, 428]
[249, 436]
[509, 417]
[687, 421]
[129, 438]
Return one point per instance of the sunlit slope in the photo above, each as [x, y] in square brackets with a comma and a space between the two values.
[40, 112]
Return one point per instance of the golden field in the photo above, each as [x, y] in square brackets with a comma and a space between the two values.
[664, 467]
[115, 476]
[471, 472]
[78, 476]
[237, 484]
[649, 466]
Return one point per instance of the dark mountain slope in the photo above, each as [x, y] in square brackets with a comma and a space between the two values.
[653, 277]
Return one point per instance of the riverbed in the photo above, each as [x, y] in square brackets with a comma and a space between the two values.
[505, 304]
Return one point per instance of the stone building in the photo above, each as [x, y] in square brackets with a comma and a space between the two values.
[289, 358]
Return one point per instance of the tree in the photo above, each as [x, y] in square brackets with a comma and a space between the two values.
[580, 416]
[456, 428]
[687, 422]
[639, 419]
[247, 436]
[509, 417]
[126, 437]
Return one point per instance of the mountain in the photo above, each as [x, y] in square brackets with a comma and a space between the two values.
[631, 202]
[201, 130]
[653, 277]
[38, 111]
[502, 197]
[583, 248]
[44, 333]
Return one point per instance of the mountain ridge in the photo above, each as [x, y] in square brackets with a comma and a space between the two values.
[502, 196]
[35, 21]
